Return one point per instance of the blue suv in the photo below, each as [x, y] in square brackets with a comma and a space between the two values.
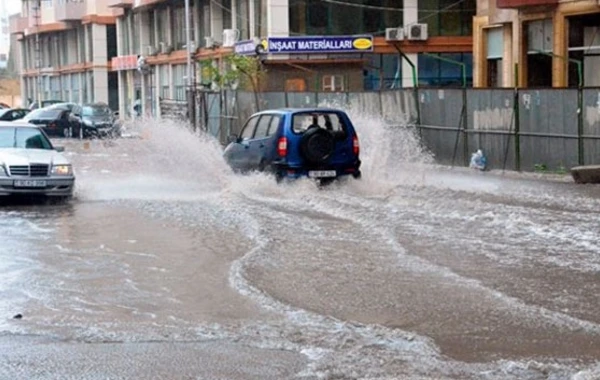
[319, 143]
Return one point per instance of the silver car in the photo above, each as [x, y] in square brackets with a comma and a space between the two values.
[30, 165]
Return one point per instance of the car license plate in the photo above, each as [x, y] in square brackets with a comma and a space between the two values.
[29, 183]
[322, 173]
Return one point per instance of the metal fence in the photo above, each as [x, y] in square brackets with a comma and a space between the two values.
[522, 129]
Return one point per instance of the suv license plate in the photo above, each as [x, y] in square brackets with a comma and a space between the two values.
[29, 183]
[322, 173]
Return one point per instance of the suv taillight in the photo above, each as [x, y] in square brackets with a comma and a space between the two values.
[282, 147]
[355, 145]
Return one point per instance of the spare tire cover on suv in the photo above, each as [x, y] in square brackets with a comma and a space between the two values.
[317, 145]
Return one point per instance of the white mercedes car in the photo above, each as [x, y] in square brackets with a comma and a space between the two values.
[30, 165]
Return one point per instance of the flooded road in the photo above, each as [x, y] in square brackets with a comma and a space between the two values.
[166, 265]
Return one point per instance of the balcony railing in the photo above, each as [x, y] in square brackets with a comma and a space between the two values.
[120, 3]
[524, 3]
[69, 10]
[17, 23]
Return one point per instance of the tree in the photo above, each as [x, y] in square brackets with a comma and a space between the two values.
[234, 71]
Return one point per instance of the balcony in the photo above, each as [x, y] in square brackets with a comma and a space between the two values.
[17, 24]
[525, 3]
[69, 10]
[120, 3]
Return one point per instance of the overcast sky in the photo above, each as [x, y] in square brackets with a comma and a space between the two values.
[13, 6]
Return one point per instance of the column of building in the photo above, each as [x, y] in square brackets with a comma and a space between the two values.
[410, 17]
[99, 59]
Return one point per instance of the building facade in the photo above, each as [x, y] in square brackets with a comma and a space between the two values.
[155, 30]
[536, 43]
[65, 48]
[4, 36]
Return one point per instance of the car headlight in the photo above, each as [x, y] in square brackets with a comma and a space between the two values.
[62, 170]
[3, 171]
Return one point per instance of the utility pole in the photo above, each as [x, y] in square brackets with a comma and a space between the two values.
[190, 93]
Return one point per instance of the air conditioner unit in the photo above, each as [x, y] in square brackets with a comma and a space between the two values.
[165, 48]
[394, 34]
[210, 42]
[416, 32]
[151, 50]
[230, 37]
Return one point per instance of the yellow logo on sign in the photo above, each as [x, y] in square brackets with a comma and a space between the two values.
[362, 43]
[265, 44]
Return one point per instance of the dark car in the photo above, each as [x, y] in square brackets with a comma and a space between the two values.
[10, 114]
[97, 119]
[319, 143]
[56, 121]
[44, 103]
[70, 106]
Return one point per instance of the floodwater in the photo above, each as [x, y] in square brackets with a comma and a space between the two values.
[168, 266]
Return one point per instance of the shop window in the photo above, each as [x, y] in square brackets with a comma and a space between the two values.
[333, 83]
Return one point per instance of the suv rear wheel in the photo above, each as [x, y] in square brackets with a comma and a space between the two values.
[317, 145]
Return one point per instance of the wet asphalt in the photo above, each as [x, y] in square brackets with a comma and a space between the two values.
[165, 268]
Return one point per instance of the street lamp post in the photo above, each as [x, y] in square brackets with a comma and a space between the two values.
[191, 101]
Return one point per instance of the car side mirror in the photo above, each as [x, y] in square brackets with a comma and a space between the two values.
[59, 148]
[233, 139]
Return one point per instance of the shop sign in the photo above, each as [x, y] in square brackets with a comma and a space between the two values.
[246, 47]
[318, 44]
[125, 62]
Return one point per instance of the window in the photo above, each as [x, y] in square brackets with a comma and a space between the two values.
[242, 19]
[111, 41]
[333, 83]
[248, 130]
[226, 14]
[178, 81]
[326, 120]
[81, 44]
[317, 17]
[262, 128]
[433, 72]
[151, 29]
[274, 125]
[447, 17]
[165, 91]
[90, 43]
[135, 44]
[178, 27]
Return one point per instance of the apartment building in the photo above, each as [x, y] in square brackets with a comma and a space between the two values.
[537, 43]
[309, 45]
[65, 48]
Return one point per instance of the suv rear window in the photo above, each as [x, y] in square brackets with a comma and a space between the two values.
[326, 120]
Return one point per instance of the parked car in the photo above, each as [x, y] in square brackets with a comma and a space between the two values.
[97, 119]
[31, 165]
[44, 103]
[73, 107]
[55, 120]
[319, 143]
[10, 114]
